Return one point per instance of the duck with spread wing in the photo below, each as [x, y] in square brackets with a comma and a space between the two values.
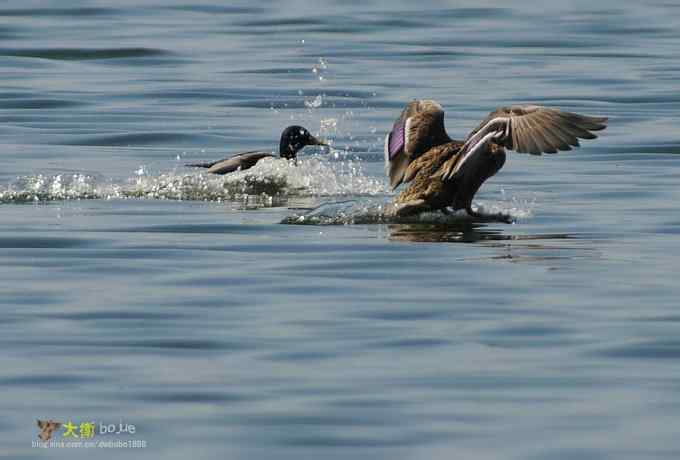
[444, 173]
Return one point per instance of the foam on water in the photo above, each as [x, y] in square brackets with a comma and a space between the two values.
[269, 178]
[58, 187]
[372, 211]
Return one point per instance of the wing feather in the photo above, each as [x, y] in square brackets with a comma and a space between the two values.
[555, 141]
[419, 128]
[536, 125]
[527, 141]
[570, 139]
[577, 130]
[535, 129]
[550, 132]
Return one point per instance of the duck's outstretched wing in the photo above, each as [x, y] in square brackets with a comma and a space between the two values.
[237, 162]
[527, 129]
[419, 128]
[534, 129]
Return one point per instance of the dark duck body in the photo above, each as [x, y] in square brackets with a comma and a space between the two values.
[445, 173]
[293, 139]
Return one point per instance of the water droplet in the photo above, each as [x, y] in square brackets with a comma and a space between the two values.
[314, 103]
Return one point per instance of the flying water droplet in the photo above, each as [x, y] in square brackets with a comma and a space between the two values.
[314, 103]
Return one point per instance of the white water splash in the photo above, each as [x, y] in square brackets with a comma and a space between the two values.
[314, 102]
[382, 212]
[319, 69]
[270, 178]
[56, 188]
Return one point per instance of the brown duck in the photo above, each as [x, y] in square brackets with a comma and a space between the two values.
[293, 139]
[444, 173]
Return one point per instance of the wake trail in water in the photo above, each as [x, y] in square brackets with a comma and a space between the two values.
[263, 185]
[274, 178]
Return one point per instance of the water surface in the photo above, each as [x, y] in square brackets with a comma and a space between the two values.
[133, 289]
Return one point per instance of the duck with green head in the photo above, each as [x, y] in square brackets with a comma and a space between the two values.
[293, 139]
[445, 173]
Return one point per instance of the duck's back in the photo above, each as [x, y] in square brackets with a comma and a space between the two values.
[238, 162]
[424, 182]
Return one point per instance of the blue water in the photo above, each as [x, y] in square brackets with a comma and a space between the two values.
[134, 290]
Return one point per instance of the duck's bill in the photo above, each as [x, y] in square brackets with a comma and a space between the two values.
[315, 141]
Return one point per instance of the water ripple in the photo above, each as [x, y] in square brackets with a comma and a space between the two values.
[138, 139]
[49, 380]
[652, 349]
[82, 54]
[57, 12]
[38, 103]
[162, 395]
[29, 242]
[217, 9]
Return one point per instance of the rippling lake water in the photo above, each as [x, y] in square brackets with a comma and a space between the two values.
[134, 290]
